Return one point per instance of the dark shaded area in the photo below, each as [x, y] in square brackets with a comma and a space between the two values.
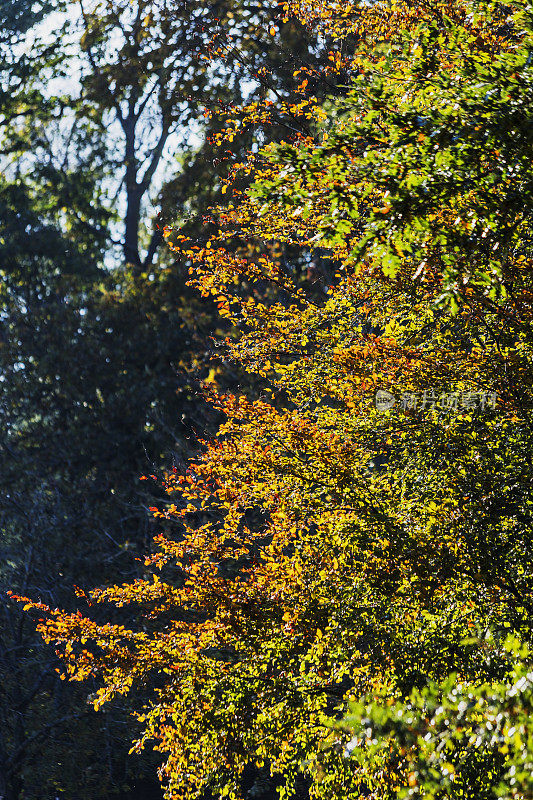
[103, 347]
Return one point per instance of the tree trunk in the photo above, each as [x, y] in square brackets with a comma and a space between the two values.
[131, 233]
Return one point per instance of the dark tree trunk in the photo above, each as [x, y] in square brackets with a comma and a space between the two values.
[131, 234]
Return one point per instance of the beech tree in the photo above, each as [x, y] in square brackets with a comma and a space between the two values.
[352, 550]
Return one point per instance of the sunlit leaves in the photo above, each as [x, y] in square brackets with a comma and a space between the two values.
[326, 549]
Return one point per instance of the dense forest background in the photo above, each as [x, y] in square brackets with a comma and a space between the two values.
[104, 141]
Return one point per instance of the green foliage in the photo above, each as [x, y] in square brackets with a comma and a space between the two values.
[321, 555]
[455, 738]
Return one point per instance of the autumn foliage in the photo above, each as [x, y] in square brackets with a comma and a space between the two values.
[325, 556]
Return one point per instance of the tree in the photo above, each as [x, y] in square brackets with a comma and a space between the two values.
[102, 344]
[300, 577]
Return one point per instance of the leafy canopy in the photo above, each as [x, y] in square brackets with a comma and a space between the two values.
[325, 555]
